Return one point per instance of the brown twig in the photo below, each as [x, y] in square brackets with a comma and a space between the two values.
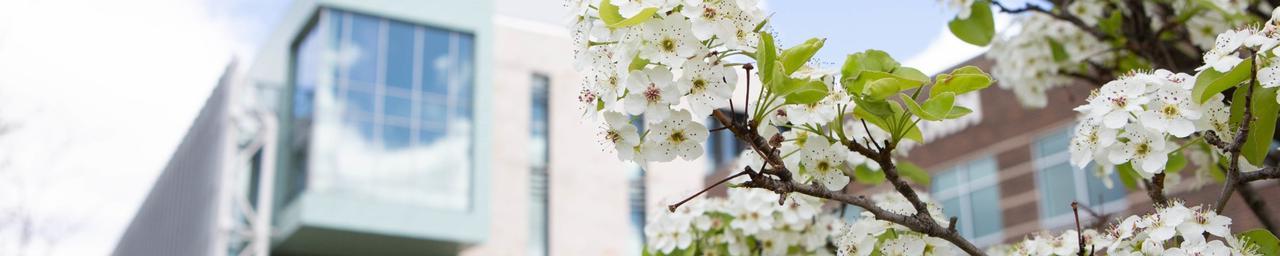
[1233, 171]
[746, 171]
[1075, 208]
[1155, 189]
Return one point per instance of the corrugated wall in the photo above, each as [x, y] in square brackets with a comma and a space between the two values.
[179, 216]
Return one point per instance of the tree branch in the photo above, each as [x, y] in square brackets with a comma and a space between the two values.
[1233, 171]
[914, 222]
[1155, 189]
[921, 221]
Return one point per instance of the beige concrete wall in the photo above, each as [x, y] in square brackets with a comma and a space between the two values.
[588, 185]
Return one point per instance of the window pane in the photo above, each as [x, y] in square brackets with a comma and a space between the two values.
[432, 113]
[435, 61]
[952, 208]
[360, 101]
[1098, 190]
[986, 211]
[397, 107]
[399, 65]
[1057, 189]
[982, 168]
[946, 180]
[464, 76]
[1053, 144]
[395, 136]
[363, 45]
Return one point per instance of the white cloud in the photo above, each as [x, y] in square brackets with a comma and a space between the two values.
[103, 91]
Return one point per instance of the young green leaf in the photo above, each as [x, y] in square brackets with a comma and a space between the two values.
[1266, 242]
[882, 85]
[936, 108]
[795, 57]
[1211, 82]
[1059, 52]
[865, 175]
[958, 112]
[805, 91]
[979, 28]
[766, 57]
[609, 14]
[962, 80]
[1177, 161]
[1128, 176]
[1262, 127]
[913, 172]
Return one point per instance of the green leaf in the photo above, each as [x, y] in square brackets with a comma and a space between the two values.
[766, 57]
[1211, 82]
[637, 63]
[1261, 130]
[1128, 176]
[1111, 25]
[879, 85]
[609, 14]
[806, 91]
[795, 57]
[913, 172]
[936, 108]
[1265, 241]
[869, 60]
[962, 80]
[1215, 170]
[958, 112]
[865, 175]
[1177, 161]
[979, 28]
[1059, 52]
[875, 107]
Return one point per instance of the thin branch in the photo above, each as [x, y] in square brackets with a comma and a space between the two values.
[913, 222]
[1263, 174]
[1075, 208]
[746, 171]
[1155, 189]
[1233, 172]
[783, 184]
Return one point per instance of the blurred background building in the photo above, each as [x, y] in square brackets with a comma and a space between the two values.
[436, 127]
[402, 128]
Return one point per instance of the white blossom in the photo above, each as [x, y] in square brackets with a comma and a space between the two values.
[670, 41]
[709, 86]
[678, 136]
[651, 92]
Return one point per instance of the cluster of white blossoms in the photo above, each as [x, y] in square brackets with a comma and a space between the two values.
[868, 235]
[1138, 118]
[746, 219]
[1028, 64]
[1173, 230]
[668, 68]
[1131, 120]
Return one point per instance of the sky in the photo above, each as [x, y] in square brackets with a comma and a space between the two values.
[99, 93]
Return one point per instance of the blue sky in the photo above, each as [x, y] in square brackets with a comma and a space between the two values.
[901, 28]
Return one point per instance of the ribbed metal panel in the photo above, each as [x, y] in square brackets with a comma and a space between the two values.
[179, 215]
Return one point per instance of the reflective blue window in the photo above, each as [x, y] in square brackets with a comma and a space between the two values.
[538, 158]
[400, 54]
[970, 192]
[362, 44]
[400, 96]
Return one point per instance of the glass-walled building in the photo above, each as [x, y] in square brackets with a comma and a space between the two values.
[413, 127]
